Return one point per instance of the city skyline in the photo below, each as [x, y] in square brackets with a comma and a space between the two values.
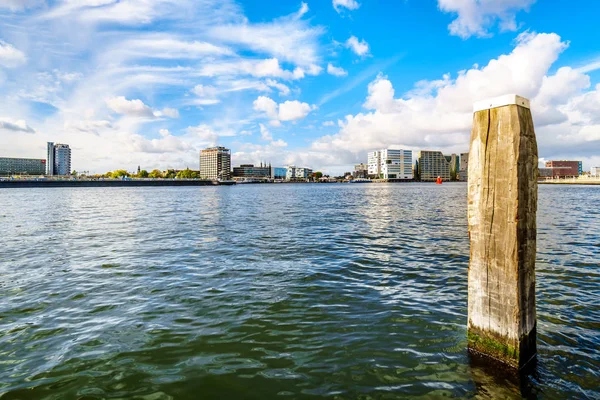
[317, 84]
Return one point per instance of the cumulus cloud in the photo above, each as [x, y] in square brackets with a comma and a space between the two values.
[16, 126]
[336, 71]
[283, 89]
[290, 110]
[11, 57]
[360, 47]
[347, 4]
[328, 123]
[294, 110]
[475, 17]
[137, 108]
[88, 126]
[438, 114]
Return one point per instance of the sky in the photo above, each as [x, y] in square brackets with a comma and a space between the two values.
[316, 84]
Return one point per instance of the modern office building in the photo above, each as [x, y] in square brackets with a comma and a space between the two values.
[595, 172]
[59, 159]
[215, 163]
[298, 173]
[249, 171]
[463, 170]
[433, 164]
[279, 173]
[390, 164]
[22, 166]
[361, 171]
[564, 168]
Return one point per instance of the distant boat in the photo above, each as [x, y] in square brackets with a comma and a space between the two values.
[439, 180]
[361, 180]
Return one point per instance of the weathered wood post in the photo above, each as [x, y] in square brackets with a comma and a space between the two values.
[503, 170]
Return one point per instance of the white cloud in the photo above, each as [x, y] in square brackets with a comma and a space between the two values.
[18, 5]
[164, 132]
[266, 105]
[170, 47]
[360, 47]
[283, 89]
[11, 57]
[348, 4]
[167, 112]
[289, 38]
[89, 126]
[294, 110]
[204, 91]
[336, 71]
[137, 108]
[438, 114]
[475, 17]
[290, 110]
[328, 123]
[257, 68]
[17, 126]
[264, 133]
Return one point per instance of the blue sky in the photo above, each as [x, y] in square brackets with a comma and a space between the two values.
[315, 83]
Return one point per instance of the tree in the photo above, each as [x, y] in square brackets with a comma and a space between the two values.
[74, 173]
[170, 174]
[318, 175]
[119, 173]
[143, 174]
[155, 174]
[187, 174]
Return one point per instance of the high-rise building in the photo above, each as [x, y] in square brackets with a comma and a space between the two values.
[433, 164]
[564, 168]
[59, 159]
[22, 166]
[463, 171]
[390, 164]
[595, 172]
[215, 163]
[279, 173]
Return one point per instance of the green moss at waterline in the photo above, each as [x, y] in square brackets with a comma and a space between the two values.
[494, 348]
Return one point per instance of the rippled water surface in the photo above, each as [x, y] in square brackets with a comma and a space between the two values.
[268, 291]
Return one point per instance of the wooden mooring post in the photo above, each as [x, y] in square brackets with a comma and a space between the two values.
[502, 205]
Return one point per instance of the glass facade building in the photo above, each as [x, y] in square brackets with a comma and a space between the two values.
[59, 159]
[22, 166]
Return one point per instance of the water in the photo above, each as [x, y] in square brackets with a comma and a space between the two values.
[277, 291]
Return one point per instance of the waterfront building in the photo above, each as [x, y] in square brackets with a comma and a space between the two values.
[298, 173]
[361, 170]
[249, 171]
[22, 166]
[59, 159]
[215, 163]
[463, 170]
[565, 168]
[433, 164]
[595, 172]
[453, 162]
[390, 164]
[279, 173]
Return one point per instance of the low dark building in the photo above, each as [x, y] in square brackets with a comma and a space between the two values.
[250, 171]
[564, 168]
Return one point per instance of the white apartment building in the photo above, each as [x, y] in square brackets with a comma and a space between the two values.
[390, 164]
[294, 172]
[595, 172]
[215, 163]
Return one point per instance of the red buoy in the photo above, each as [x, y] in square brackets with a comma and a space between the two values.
[439, 180]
